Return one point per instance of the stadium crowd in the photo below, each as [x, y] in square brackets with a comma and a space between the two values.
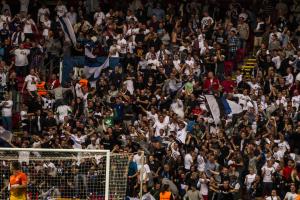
[173, 57]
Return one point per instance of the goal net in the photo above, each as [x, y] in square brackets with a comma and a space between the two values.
[62, 174]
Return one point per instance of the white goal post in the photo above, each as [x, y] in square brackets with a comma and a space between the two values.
[63, 174]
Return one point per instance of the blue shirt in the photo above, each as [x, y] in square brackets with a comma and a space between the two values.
[119, 111]
[190, 126]
[132, 169]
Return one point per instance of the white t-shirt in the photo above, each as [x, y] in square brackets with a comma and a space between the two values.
[201, 163]
[21, 57]
[129, 86]
[99, 17]
[283, 146]
[296, 101]
[24, 5]
[172, 127]
[203, 186]
[23, 115]
[3, 78]
[243, 99]
[137, 159]
[175, 152]
[131, 47]
[114, 50]
[46, 30]
[298, 77]
[249, 180]
[154, 62]
[31, 83]
[181, 135]
[201, 38]
[254, 86]
[91, 146]
[277, 61]
[272, 198]
[290, 196]
[289, 79]
[282, 101]
[268, 171]
[190, 62]
[176, 64]
[205, 21]
[78, 90]
[51, 168]
[158, 125]
[278, 155]
[78, 141]
[72, 17]
[239, 78]
[28, 26]
[123, 45]
[63, 111]
[151, 116]
[42, 12]
[85, 100]
[24, 156]
[61, 10]
[4, 19]
[188, 161]
[145, 170]
[7, 108]
[177, 108]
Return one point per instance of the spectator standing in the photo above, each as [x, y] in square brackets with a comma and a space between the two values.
[273, 196]
[72, 15]
[30, 83]
[165, 194]
[24, 6]
[29, 27]
[46, 24]
[21, 60]
[233, 44]
[5, 7]
[258, 32]
[6, 106]
[292, 194]
[42, 12]
[243, 30]
[17, 37]
[267, 173]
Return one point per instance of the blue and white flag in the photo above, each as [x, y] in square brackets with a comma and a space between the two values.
[68, 29]
[99, 69]
[92, 67]
[220, 107]
[214, 108]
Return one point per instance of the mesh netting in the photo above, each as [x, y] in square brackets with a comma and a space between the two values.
[66, 175]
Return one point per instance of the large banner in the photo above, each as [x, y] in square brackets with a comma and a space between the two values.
[78, 61]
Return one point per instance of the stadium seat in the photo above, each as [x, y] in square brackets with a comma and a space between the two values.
[228, 67]
[240, 55]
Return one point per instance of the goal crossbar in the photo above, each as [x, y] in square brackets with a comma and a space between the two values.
[54, 150]
[106, 152]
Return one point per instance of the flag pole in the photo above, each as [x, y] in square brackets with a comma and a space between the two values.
[60, 70]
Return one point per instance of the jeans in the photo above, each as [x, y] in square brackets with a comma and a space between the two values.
[243, 43]
[21, 71]
[80, 189]
[7, 123]
[267, 188]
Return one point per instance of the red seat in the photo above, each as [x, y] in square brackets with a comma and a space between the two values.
[240, 55]
[20, 82]
[16, 119]
[228, 67]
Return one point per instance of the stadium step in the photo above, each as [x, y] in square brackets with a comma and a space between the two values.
[248, 66]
